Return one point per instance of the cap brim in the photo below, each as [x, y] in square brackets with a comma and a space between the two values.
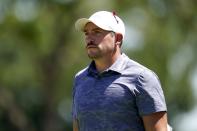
[80, 24]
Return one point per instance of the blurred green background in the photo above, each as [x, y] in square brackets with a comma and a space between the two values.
[40, 52]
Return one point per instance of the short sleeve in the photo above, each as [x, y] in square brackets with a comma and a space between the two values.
[149, 94]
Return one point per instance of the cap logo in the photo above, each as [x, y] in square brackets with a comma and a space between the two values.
[114, 14]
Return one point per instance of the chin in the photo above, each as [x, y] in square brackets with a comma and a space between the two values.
[93, 56]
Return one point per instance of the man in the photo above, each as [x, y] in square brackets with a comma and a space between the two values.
[114, 93]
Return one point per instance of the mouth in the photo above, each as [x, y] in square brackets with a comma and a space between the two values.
[91, 45]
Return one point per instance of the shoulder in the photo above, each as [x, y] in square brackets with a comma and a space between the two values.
[148, 84]
[81, 73]
[133, 67]
[79, 76]
[143, 75]
[149, 77]
[139, 68]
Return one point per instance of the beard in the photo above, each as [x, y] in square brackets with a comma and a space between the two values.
[94, 53]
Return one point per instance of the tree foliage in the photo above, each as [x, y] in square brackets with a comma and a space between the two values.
[40, 52]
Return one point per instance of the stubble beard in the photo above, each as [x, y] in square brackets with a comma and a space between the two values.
[97, 53]
[94, 55]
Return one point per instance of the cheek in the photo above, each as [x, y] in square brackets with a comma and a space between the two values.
[99, 41]
[109, 42]
[106, 42]
[107, 46]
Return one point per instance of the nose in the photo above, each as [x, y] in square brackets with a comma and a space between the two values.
[89, 38]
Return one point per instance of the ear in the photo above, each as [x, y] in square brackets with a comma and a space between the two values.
[118, 37]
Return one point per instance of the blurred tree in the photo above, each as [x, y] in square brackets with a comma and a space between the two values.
[40, 52]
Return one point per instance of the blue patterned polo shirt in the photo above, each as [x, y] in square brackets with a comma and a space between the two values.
[116, 99]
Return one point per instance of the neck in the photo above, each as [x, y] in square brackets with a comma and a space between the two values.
[104, 63]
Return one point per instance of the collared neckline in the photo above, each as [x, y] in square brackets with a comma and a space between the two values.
[119, 64]
[117, 67]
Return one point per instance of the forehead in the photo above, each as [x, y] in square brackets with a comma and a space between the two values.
[91, 26]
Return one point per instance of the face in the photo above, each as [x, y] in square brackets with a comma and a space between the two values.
[99, 43]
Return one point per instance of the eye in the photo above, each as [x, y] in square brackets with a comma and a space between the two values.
[85, 33]
[98, 32]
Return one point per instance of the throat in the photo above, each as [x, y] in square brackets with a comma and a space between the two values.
[102, 65]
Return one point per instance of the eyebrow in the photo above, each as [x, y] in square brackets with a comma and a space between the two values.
[95, 29]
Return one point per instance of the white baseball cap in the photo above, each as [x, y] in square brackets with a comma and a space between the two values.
[103, 19]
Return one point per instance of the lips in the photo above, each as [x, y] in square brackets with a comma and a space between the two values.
[91, 45]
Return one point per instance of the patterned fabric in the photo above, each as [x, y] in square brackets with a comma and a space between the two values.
[115, 99]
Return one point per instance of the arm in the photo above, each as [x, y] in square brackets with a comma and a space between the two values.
[75, 125]
[155, 122]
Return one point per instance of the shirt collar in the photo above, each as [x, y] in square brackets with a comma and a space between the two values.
[118, 66]
[92, 69]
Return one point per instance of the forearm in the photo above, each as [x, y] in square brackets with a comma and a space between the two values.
[75, 125]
